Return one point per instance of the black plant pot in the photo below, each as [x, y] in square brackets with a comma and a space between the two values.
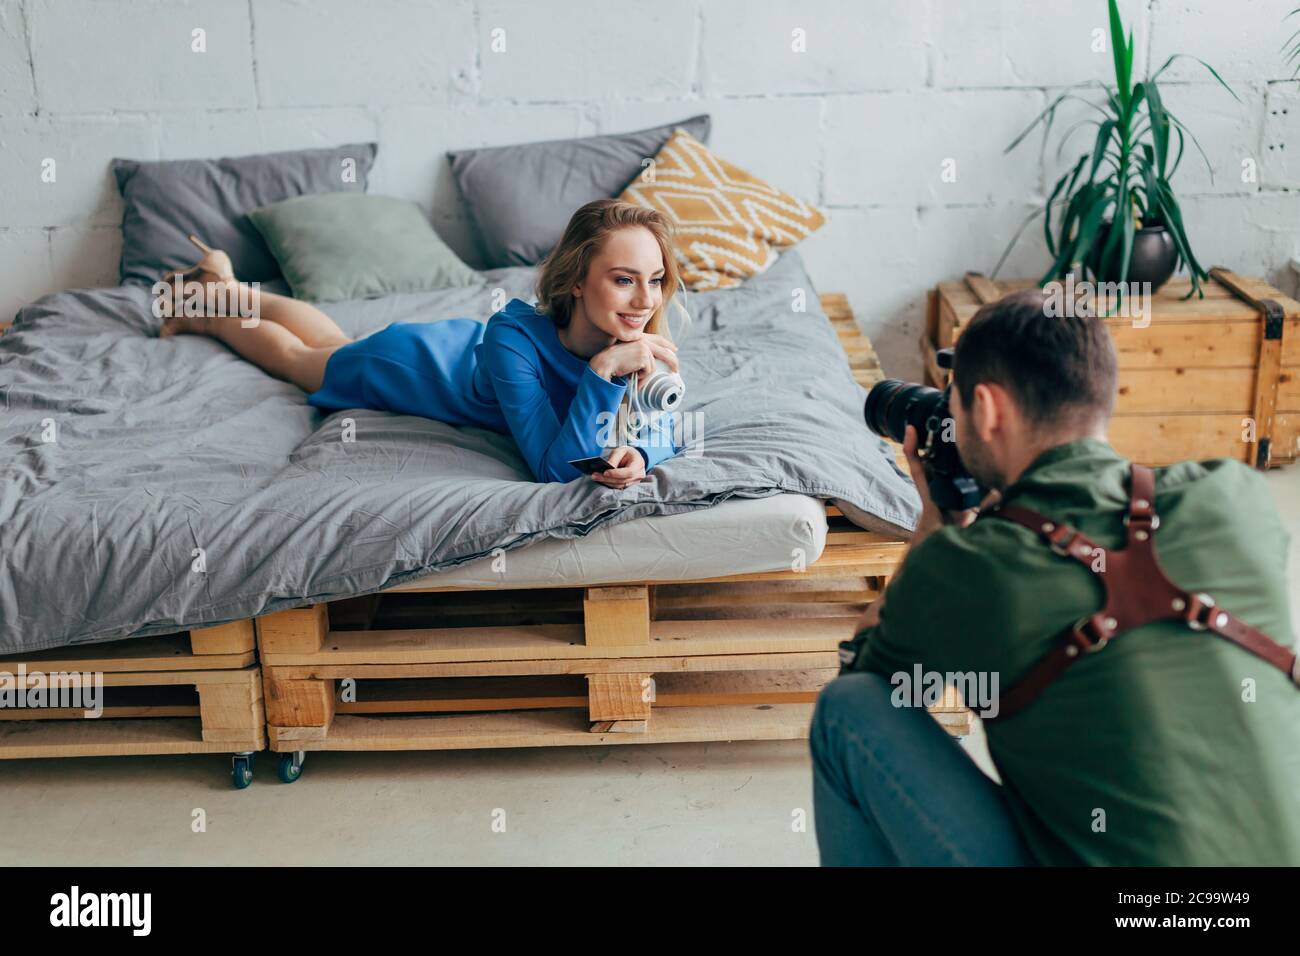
[1154, 259]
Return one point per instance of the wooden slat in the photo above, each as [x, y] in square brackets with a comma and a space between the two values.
[1163, 439]
[549, 728]
[543, 666]
[983, 288]
[1169, 344]
[111, 738]
[559, 641]
[1211, 390]
[561, 728]
[692, 689]
[169, 652]
[121, 702]
[109, 712]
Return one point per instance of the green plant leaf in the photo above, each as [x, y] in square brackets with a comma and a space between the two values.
[1049, 113]
[1121, 52]
[1104, 133]
[1061, 183]
[1195, 142]
[1213, 72]
[1159, 126]
[1173, 217]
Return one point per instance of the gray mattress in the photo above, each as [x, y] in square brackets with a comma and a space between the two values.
[152, 485]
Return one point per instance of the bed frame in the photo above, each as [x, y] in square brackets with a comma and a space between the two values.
[422, 667]
[192, 692]
[419, 667]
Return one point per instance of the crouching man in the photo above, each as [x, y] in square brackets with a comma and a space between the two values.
[1136, 624]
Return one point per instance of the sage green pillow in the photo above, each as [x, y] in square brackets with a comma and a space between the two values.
[333, 246]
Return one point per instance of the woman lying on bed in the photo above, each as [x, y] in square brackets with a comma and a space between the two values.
[547, 375]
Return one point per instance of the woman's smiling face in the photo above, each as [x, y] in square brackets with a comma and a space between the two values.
[624, 284]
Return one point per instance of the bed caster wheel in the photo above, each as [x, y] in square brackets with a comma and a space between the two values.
[241, 770]
[291, 766]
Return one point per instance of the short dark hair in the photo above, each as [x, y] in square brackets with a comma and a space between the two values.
[1061, 369]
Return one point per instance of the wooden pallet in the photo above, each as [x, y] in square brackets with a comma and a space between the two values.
[739, 657]
[191, 692]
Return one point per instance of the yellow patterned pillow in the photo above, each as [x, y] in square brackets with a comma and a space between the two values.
[729, 224]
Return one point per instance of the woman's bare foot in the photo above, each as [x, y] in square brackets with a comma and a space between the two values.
[194, 298]
[206, 289]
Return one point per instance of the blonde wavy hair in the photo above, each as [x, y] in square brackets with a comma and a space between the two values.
[568, 262]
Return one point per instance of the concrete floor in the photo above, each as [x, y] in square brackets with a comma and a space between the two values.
[713, 804]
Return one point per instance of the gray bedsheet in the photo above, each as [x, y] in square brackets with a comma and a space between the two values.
[151, 485]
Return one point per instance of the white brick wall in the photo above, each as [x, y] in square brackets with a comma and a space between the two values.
[860, 122]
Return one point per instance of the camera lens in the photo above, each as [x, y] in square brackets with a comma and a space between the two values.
[892, 405]
[876, 410]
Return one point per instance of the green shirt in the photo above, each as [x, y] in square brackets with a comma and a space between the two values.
[1167, 747]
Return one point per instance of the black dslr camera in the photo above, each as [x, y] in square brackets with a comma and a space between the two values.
[893, 405]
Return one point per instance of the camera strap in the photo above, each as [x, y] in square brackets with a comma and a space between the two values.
[1138, 592]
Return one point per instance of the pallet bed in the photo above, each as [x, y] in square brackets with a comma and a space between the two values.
[191, 692]
[419, 667]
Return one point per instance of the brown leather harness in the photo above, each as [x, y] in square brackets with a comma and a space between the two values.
[1138, 592]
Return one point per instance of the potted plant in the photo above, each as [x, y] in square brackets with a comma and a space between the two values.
[1120, 218]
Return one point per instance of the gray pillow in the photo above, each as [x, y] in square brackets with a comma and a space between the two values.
[168, 200]
[522, 196]
[335, 246]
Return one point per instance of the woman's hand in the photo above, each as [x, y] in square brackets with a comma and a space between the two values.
[629, 468]
[638, 355]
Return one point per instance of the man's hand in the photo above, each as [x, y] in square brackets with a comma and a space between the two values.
[931, 517]
[629, 468]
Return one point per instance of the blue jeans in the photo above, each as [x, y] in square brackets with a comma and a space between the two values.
[892, 787]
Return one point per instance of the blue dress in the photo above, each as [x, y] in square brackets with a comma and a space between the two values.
[511, 375]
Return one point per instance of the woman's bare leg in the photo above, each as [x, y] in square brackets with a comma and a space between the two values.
[268, 345]
[310, 324]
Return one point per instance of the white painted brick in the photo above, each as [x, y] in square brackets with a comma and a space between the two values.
[864, 253]
[137, 55]
[414, 141]
[344, 53]
[17, 94]
[1252, 235]
[849, 45]
[573, 50]
[208, 135]
[778, 139]
[24, 269]
[85, 258]
[1280, 148]
[84, 191]
[886, 258]
[892, 147]
[1241, 39]
[1029, 42]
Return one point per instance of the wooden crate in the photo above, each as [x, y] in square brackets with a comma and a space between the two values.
[192, 692]
[1191, 382]
[737, 657]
